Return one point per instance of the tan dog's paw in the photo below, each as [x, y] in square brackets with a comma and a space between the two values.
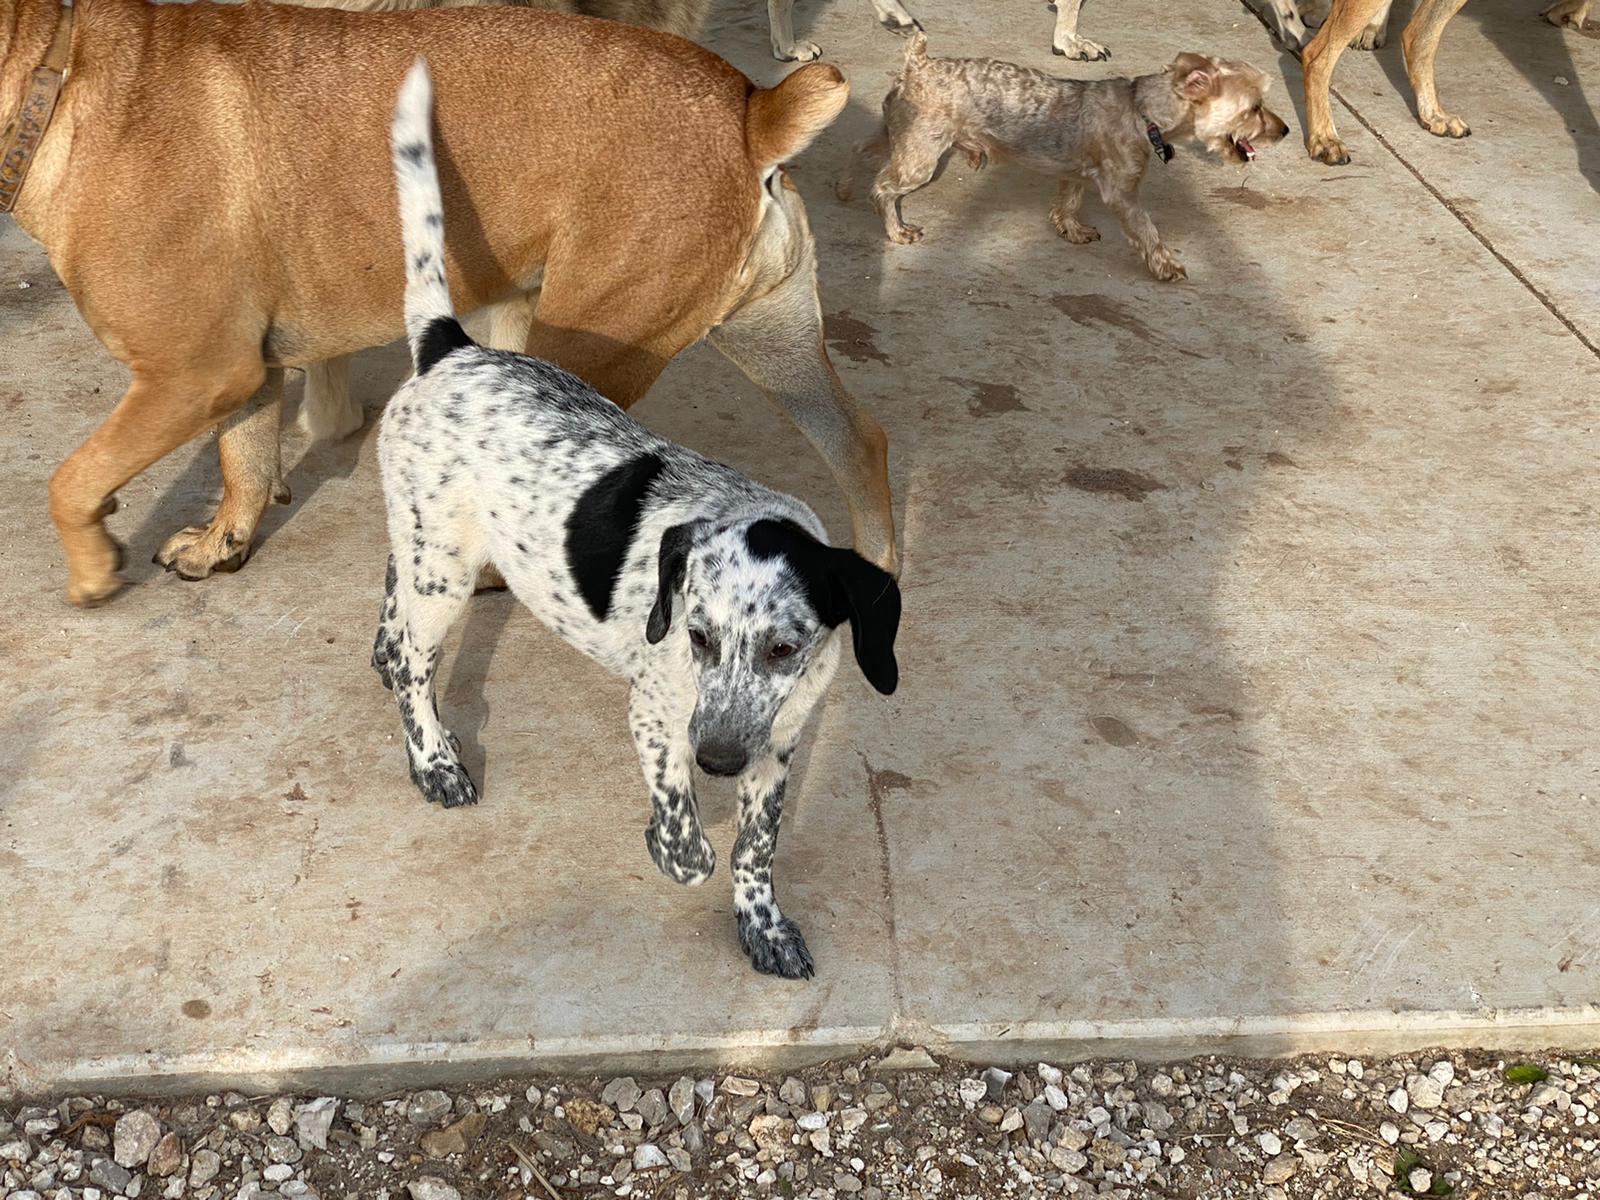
[1081, 49]
[1327, 148]
[1443, 124]
[201, 550]
[96, 583]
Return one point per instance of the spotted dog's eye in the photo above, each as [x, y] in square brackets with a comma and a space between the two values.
[698, 638]
[779, 650]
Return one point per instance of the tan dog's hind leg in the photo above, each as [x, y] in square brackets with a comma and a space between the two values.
[1570, 13]
[247, 443]
[158, 413]
[1069, 199]
[1320, 57]
[511, 320]
[777, 341]
[327, 411]
[1420, 43]
[1066, 41]
[1375, 32]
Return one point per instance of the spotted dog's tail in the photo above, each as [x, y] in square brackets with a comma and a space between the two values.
[431, 325]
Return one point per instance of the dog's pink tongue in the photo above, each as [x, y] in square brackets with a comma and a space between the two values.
[1246, 149]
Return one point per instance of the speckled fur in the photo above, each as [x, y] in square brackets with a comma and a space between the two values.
[638, 552]
[1080, 131]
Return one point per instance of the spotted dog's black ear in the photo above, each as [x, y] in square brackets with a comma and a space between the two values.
[670, 563]
[873, 598]
[841, 586]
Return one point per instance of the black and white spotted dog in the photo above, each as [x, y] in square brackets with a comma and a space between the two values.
[717, 597]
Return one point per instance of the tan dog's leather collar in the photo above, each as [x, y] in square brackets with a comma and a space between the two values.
[26, 131]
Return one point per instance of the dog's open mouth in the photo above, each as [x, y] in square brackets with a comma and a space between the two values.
[1245, 151]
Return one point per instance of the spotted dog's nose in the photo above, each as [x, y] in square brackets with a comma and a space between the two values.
[717, 759]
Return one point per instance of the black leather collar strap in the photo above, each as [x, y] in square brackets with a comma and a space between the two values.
[22, 137]
[1163, 147]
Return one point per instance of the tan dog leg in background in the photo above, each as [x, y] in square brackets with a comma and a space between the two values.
[1066, 41]
[160, 411]
[1321, 56]
[327, 411]
[1420, 42]
[777, 341]
[247, 443]
[1569, 13]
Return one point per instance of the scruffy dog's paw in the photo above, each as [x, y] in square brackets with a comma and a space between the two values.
[1167, 269]
[906, 234]
[1076, 232]
[1327, 148]
[445, 783]
[688, 863]
[776, 949]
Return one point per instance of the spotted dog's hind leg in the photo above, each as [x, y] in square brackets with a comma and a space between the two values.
[660, 724]
[431, 587]
[772, 941]
[386, 645]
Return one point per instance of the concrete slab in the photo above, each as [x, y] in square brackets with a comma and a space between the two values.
[1246, 666]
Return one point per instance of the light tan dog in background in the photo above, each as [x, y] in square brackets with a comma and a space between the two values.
[1362, 24]
[215, 191]
[1075, 130]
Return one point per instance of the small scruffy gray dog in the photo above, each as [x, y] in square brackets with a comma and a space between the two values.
[1078, 130]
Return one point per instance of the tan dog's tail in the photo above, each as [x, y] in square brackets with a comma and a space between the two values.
[782, 121]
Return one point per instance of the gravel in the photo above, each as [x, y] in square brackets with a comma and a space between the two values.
[884, 1127]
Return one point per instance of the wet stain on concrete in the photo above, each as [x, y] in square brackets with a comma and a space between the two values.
[177, 758]
[198, 1009]
[1280, 460]
[988, 399]
[1116, 732]
[879, 784]
[853, 338]
[1094, 309]
[1112, 481]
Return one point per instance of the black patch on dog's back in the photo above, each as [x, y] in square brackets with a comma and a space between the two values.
[602, 527]
[443, 336]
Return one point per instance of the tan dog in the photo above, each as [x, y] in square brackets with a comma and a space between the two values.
[1346, 21]
[215, 191]
[1361, 23]
[1076, 130]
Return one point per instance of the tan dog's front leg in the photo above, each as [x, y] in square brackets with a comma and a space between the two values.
[247, 443]
[158, 413]
[1420, 43]
[1347, 18]
[1141, 231]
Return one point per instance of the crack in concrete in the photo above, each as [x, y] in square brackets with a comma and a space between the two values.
[879, 785]
[1466, 223]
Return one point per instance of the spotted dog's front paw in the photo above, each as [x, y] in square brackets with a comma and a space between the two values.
[445, 783]
[689, 862]
[776, 949]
